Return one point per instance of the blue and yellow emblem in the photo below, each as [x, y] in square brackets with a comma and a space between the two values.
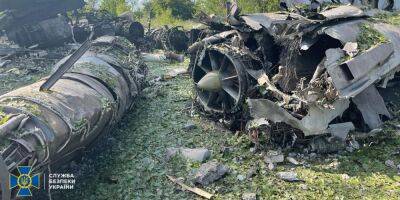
[24, 181]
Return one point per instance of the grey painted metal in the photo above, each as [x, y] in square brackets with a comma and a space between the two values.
[67, 64]
[83, 104]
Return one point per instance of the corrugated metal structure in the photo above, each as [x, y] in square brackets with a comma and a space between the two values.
[39, 129]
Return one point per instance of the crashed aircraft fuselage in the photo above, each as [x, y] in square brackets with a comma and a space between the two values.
[42, 128]
[318, 74]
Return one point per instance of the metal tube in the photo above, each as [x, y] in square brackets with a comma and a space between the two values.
[163, 57]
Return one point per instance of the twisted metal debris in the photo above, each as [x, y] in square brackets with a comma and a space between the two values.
[295, 77]
[169, 39]
[380, 4]
[40, 129]
[37, 22]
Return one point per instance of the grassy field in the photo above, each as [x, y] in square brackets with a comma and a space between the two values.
[130, 163]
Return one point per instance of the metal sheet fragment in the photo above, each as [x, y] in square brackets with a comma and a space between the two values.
[340, 131]
[356, 75]
[372, 107]
[259, 20]
[344, 32]
[361, 65]
[314, 123]
[343, 12]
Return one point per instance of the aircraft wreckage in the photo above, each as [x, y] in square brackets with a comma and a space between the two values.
[46, 124]
[325, 74]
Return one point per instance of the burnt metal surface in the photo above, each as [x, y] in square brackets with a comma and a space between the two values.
[169, 39]
[51, 127]
[304, 70]
[380, 4]
[29, 23]
[50, 32]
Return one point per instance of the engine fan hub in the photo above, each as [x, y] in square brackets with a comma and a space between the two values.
[211, 82]
[220, 80]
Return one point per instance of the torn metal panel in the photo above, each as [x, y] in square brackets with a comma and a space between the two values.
[356, 75]
[344, 32]
[314, 123]
[381, 4]
[392, 33]
[396, 5]
[384, 4]
[341, 12]
[386, 68]
[372, 107]
[266, 20]
[340, 131]
[362, 64]
[211, 40]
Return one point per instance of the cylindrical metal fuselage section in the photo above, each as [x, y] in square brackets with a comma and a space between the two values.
[86, 102]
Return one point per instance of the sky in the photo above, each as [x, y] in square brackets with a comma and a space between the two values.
[139, 4]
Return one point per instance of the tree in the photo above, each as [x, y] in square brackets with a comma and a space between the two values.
[115, 7]
[90, 5]
[180, 9]
[247, 6]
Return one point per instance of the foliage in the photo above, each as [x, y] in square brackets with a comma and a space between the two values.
[180, 9]
[177, 12]
[369, 37]
[115, 7]
[133, 155]
[4, 118]
[90, 5]
[390, 18]
[247, 6]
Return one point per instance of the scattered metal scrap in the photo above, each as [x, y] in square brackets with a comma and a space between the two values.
[195, 190]
[299, 75]
[169, 39]
[104, 23]
[37, 22]
[46, 128]
[380, 4]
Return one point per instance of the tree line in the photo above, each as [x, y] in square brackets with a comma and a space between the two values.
[178, 9]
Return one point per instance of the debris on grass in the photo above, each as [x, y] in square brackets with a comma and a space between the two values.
[210, 172]
[194, 155]
[249, 196]
[274, 157]
[289, 176]
[292, 161]
[390, 164]
[190, 125]
[197, 191]
[174, 73]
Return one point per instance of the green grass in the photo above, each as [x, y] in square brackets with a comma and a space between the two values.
[389, 18]
[369, 37]
[129, 163]
[167, 18]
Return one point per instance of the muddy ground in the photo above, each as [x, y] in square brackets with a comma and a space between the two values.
[130, 162]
